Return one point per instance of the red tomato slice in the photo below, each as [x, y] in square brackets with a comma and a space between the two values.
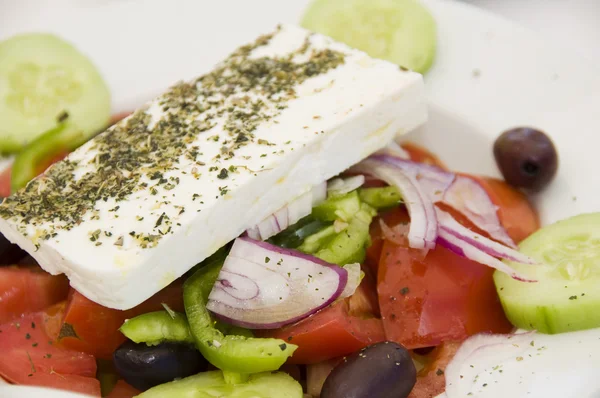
[419, 154]
[441, 297]
[516, 213]
[94, 329]
[30, 357]
[332, 332]
[123, 390]
[29, 289]
[391, 218]
[431, 381]
[5, 182]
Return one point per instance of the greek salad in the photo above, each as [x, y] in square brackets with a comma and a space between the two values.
[266, 230]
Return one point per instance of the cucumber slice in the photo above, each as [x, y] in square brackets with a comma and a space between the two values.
[380, 198]
[41, 77]
[342, 207]
[213, 385]
[566, 296]
[400, 31]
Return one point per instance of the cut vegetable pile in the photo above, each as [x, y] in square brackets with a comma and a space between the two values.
[241, 236]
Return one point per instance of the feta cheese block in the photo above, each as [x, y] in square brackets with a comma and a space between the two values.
[142, 203]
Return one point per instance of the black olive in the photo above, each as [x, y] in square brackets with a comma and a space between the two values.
[526, 157]
[144, 366]
[9, 254]
[383, 370]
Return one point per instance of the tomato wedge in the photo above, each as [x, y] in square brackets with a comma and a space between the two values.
[431, 381]
[94, 329]
[515, 212]
[5, 182]
[391, 218]
[334, 331]
[30, 357]
[440, 297]
[29, 289]
[419, 154]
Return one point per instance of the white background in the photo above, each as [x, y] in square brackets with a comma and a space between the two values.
[572, 23]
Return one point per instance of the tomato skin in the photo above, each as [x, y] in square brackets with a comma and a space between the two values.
[29, 357]
[515, 212]
[441, 297]
[431, 381]
[97, 327]
[419, 154]
[332, 332]
[5, 182]
[391, 218]
[17, 285]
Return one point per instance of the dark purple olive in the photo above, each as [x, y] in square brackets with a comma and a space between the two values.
[383, 370]
[10, 254]
[144, 366]
[526, 157]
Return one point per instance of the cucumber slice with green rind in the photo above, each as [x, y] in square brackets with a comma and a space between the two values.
[567, 294]
[41, 77]
[400, 31]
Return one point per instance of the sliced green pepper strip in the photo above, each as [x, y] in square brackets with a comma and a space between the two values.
[349, 245]
[314, 242]
[228, 329]
[231, 353]
[156, 327]
[342, 207]
[381, 197]
[38, 154]
[212, 385]
[293, 236]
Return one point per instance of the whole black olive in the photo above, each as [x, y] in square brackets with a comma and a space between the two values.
[10, 254]
[526, 157]
[144, 366]
[383, 370]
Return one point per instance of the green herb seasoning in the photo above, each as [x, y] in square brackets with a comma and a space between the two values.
[137, 153]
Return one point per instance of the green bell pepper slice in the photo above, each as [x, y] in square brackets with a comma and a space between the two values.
[39, 153]
[156, 327]
[349, 245]
[237, 354]
[380, 197]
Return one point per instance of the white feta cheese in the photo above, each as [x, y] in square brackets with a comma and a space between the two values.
[138, 206]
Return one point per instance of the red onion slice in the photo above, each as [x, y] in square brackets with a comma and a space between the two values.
[423, 226]
[289, 214]
[493, 248]
[468, 197]
[262, 286]
[463, 194]
[394, 149]
[492, 348]
[433, 180]
[341, 186]
[471, 252]
[526, 365]
[355, 276]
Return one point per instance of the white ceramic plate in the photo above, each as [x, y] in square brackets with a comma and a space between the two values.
[490, 75]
